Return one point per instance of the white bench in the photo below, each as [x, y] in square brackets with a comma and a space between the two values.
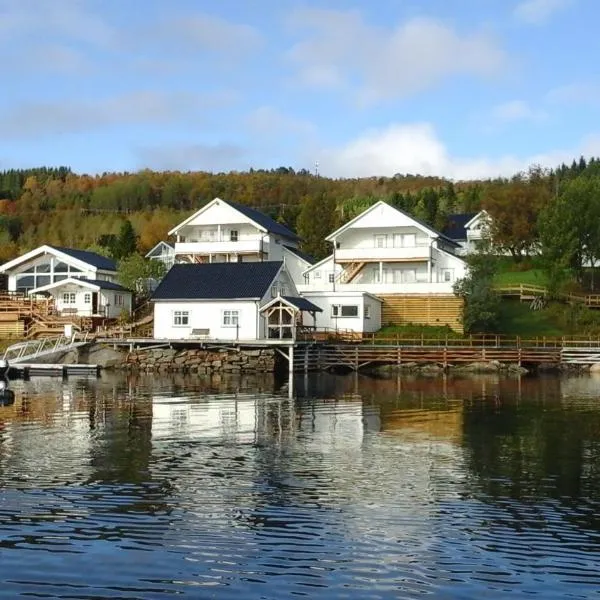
[200, 333]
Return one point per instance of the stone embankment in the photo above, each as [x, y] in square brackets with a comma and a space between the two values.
[164, 360]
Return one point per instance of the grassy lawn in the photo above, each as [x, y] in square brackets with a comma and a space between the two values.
[416, 331]
[531, 277]
[516, 318]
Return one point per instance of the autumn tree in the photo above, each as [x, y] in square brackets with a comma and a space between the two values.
[514, 208]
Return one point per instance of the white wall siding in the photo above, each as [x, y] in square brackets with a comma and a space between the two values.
[359, 324]
[206, 315]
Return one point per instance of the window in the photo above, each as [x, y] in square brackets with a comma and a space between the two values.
[181, 318]
[376, 275]
[87, 299]
[381, 241]
[231, 318]
[233, 235]
[274, 290]
[344, 310]
[409, 275]
[447, 275]
[405, 240]
[367, 311]
[331, 277]
[317, 274]
[119, 300]
[69, 298]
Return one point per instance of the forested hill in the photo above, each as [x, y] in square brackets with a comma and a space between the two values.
[57, 206]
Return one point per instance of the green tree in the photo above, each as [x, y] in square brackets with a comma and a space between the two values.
[315, 222]
[138, 274]
[570, 230]
[481, 308]
[126, 241]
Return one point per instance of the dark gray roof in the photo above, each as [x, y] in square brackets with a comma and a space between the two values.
[265, 221]
[306, 257]
[91, 258]
[455, 226]
[302, 303]
[106, 285]
[217, 281]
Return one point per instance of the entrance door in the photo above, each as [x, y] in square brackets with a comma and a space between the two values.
[95, 303]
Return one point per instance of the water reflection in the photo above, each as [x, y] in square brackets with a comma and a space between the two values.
[144, 487]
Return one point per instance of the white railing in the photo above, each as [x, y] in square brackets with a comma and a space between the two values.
[35, 348]
[416, 253]
[204, 247]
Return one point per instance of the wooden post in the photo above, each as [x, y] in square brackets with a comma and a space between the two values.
[291, 360]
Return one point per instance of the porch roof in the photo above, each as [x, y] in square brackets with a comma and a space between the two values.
[301, 304]
[90, 284]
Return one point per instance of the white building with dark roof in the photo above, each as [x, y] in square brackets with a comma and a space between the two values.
[225, 231]
[80, 283]
[230, 301]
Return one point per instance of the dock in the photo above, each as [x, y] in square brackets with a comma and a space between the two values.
[27, 370]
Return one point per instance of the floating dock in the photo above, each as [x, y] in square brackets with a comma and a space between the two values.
[27, 370]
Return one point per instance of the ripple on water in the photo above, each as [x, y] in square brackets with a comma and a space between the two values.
[168, 488]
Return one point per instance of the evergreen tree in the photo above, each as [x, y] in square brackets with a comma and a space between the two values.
[316, 221]
[126, 242]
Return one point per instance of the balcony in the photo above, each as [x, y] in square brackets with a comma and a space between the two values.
[413, 253]
[227, 247]
[381, 288]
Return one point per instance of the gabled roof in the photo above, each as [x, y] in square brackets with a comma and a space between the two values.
[261, 220]
[307, 258]
[161, 245]
[294, 301]
[82, 258]
[418, 222]
[218, 281]
[91, 258]
[92, 284]
[456, 227]
[476, 217]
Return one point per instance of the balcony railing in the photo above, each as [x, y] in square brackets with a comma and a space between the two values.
[225, 247]
[416, 253]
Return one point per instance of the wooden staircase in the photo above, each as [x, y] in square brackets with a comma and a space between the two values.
[351, 271]
[22, 316]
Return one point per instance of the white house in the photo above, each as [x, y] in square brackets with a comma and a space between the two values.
[230, 301]
[88, 298]
[355, 311]
[384, 250]
[225, 231]
[467, 230]
[50, 264]
[164, 253]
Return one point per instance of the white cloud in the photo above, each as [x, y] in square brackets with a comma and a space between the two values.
[537, 12]
[575, 93]
[343, 50]
[516, 110]
[203, 32]
[416, 148]
[69, 19]
[269, 121]
[33, 119]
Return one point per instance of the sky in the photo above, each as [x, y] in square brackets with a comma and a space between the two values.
[456, 88]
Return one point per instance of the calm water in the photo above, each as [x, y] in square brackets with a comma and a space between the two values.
[359, 489]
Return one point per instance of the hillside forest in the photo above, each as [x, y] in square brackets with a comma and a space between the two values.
[556, 209]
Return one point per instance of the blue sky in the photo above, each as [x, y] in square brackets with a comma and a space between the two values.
[458, 88]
